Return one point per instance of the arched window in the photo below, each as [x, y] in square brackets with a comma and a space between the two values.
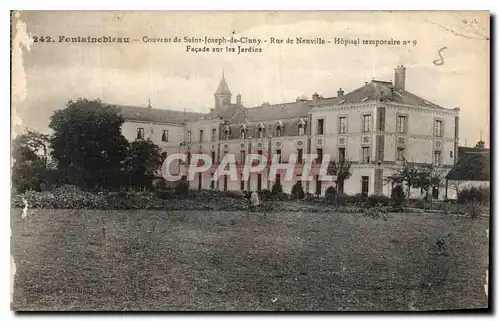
[278, 131]
[301, 129]
[260, 132]
[227, 131]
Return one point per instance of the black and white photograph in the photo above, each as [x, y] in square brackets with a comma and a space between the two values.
[274, 161]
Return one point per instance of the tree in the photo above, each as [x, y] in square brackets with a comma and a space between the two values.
[29, 169]
[408, 174]
[87, 143]
[342, 170]
[143, 161]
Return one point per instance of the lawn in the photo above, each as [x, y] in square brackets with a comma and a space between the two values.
[180, 260]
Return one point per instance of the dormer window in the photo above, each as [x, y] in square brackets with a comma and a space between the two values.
[164, 136]
[279, 128]
[260, 130]
[227, 131]
[140, 133]
[300, 129]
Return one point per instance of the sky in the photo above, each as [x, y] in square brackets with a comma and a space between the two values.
[46, 75]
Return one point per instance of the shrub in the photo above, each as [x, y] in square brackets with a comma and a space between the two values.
[360, 199]
[234, 194]
[282, 197]
[473, 210]
[378, 199]
[266, 195]
[345, 199]
[331, 195]
[182, 189]
[298, 191]
[474, 194]
[310, 197]
[277, 188]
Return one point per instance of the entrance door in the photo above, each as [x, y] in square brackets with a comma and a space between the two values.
[318, 185]
[364, 185]
[199, 181]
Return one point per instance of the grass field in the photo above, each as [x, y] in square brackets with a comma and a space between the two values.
[152, 260]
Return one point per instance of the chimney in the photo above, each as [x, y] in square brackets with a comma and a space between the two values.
[480, 144]
[399, 77]
[315, 96]
[340, 92]
[238, 100]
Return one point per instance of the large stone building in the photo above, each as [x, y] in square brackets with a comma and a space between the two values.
[375, 126]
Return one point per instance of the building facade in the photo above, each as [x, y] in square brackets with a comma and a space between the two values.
[375, 126]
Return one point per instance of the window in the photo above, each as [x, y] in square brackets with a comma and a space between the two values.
[242, 183]
[243, 132]
[437, 158]
[225, 182]
[301, 130]
[189, 158]
[242, 157]
[214, 134]
[342, 125]
[164, 136]
[299, 156]
[401, 125]
[438, 128]
[366, 155]
[366, 122]
[201, 135]
[140, 133]
[319, 151]
[364, 185]
[278, 152]
[278, 131]
[278, 179]
[189, 137]
[341, 154]
[299, 178]
[200, 181]
[400, 154]
[213, 157]
[259, 182]
[260, 132]
[212, 182]
[320, 130]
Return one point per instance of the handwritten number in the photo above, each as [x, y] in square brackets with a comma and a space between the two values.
[440, 61]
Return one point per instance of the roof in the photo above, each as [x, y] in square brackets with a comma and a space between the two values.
[274, 112]
[472, 166]
[157, 115]
[378, 90]
[223, 89]
[462, 150]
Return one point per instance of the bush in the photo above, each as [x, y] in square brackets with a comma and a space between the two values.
[310, 197]
[182, 189]
[298, 191]
[474, 194]
[473, 210]
[345, 199]
[277, 188]
[63, 197]
[233, 194]
[282, 197]
[360, 199]
[378, 199]
[331, 195]
[266, 195]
